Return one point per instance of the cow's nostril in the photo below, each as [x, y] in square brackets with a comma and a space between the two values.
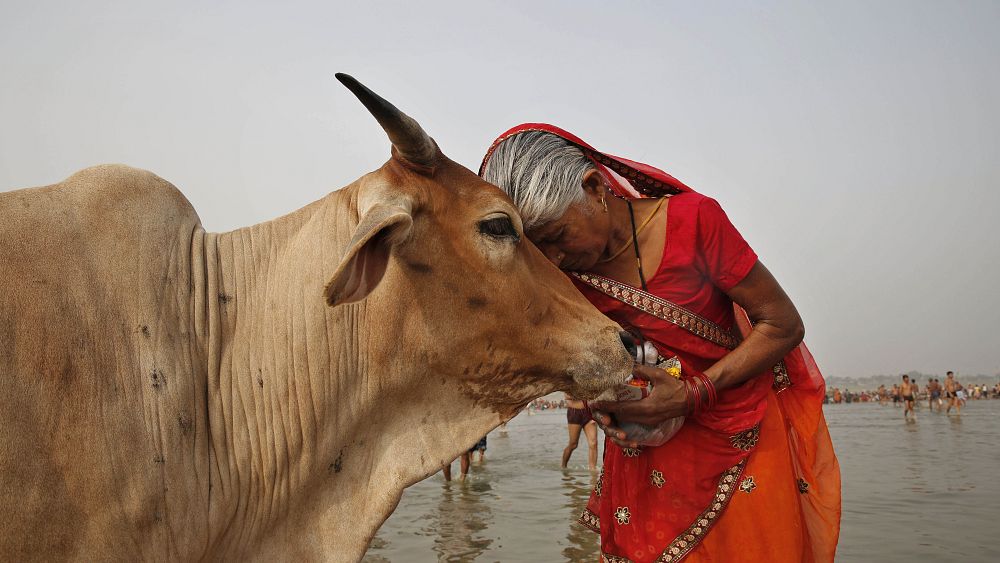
[629, 341]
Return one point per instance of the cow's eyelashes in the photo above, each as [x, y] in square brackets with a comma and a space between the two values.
[498, 227]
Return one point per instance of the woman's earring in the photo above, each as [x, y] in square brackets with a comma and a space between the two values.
[604, 203]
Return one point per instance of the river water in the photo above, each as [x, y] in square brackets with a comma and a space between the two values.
[923, 491]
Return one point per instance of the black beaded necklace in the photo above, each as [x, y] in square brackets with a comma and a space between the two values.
[635, 244]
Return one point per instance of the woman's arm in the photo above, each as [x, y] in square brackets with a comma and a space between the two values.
[777, 329]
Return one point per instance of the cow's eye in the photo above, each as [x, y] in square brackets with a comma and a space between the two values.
[498, 227]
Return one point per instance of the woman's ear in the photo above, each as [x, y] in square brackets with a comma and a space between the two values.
[593, 182]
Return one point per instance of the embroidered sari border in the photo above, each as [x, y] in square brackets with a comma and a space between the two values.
[690, 538]
[687, 540]
[661, 309]
[782, 380]
[590, 520]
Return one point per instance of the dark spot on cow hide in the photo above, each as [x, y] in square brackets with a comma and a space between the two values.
[224, 297]
[338, 464]
[419, 267]
[476, 301]
[260, 378]
[67, 372]
[145, 331]
[158, 379]
[184, 421]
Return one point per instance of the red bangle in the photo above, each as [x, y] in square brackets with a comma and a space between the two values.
[689, 397]
[707, 397]
[696, 401]
[713, 395]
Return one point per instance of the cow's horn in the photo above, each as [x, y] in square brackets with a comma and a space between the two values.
[410, 140]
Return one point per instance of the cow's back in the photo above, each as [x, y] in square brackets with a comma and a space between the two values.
[102, 396]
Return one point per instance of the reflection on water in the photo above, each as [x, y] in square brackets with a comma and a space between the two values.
[463, 512]
[518, 505]
[913, 491]
[582, 542]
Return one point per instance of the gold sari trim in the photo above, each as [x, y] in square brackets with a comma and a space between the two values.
[781, 379]
[661, 309]
[747, 439]
[678, 316]
[590, 520]
[692, 536]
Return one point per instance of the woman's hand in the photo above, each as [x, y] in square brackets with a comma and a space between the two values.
[616, 434]
[668, 400]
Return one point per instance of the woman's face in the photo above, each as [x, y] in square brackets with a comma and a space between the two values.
[576, 240]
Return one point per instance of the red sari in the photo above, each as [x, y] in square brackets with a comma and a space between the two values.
[753, 479]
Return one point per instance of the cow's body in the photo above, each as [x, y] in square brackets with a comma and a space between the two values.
[172, 394]
[103, 420]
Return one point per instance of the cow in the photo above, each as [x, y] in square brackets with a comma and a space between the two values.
[266, 393]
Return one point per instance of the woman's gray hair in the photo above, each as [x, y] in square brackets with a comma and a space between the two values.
[541, 172]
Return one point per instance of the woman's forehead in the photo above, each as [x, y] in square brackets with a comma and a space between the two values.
[546, 230]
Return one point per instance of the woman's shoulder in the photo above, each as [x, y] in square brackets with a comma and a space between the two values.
[689, 198]
[691, 203]
[695, 201]
[698, 210]
[688, 209]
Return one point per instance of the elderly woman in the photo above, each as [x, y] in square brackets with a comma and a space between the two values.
[751, 475]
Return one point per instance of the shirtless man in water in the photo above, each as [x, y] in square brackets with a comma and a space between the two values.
[933, 394]
[908, 391]
[951, 393]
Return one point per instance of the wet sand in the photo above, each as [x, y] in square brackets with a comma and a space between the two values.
[924, 491]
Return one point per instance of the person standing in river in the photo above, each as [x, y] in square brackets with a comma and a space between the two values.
[934, 394]
[578, 419]
[665, 261]
[908, 393]
[951, 387]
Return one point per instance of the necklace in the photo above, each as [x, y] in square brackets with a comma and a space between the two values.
[635, 231]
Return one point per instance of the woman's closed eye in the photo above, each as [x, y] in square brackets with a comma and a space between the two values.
[555, 237]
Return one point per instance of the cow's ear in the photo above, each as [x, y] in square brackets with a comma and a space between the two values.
[383, 224]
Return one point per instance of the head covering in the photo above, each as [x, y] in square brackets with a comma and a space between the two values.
[628, 179]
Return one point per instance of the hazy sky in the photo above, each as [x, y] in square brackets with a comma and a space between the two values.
[855, 144]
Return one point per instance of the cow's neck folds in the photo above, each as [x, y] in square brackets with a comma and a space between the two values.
[270, 358]
[313, 415]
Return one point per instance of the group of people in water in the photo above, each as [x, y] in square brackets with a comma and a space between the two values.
[950, 394]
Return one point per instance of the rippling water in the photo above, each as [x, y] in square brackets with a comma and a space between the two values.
[924, 491]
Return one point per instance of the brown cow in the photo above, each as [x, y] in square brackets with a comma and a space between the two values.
[267, 393]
